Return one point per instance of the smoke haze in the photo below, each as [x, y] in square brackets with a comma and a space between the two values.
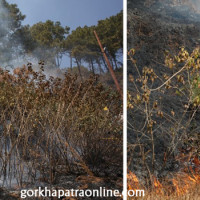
[12, 54]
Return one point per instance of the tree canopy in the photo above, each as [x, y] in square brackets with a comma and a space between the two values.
[49, 40]
[10, 22]
[110, 31]
[11, 14]
[83, 45]
[49, 37]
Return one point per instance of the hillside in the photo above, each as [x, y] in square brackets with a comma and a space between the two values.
[163, 120]
[154, 29]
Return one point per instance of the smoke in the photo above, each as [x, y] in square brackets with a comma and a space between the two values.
[11, 51]
[6, 51]
[185, 10]
[12, 54]
[188, 9]
[4, 21]
[191, 4]
[196, 5]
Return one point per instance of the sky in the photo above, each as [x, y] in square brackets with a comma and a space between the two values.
[72, 13]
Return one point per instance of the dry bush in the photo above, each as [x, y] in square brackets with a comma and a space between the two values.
[163, 116]
[57, 126]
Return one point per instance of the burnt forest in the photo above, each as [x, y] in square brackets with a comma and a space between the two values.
[164, 98]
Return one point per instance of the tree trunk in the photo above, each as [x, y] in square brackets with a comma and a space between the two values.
[58, 61]
[100, 68]
[70, 61]
[92, 65]
[111, 61]
[115, 61]
[79, 68]
[105, 63]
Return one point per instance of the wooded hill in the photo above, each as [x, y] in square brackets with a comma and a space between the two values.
[50, 41]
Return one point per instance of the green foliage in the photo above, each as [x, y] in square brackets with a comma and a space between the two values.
[10, 22]
[49, 37]
[82, 42]
[49, 34]
[49, 40]
[83, 45]
[110, 32]
[15, 15]
[23, 35]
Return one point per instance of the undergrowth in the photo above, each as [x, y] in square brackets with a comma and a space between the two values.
[163, 122]
[57, 126]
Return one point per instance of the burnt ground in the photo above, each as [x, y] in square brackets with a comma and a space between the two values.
[67, 182]
[154, 29]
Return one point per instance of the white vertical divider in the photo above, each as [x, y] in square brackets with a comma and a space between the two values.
[125, 100]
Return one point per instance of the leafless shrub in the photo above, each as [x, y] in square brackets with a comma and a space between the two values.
[56, 126]
[163, 114]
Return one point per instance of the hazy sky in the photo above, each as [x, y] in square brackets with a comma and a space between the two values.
[72, 13]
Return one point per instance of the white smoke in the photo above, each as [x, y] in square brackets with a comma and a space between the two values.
[5, 33]
[196, 4]
[12, 56]
[4, 20]
[192, 4]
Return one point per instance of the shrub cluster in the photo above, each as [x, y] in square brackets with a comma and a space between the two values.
[164, 114]
[54, 126]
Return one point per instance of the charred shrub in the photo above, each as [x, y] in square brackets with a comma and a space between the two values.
[164, 115]
[57, 126]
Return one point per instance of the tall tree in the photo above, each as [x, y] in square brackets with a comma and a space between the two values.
[10, 23]
[110, 32]
[49, 38]
[83, 45]
[11, 15]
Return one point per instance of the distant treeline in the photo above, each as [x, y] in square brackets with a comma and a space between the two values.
[50, 41]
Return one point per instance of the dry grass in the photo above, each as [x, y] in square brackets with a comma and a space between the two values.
[193, 194]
